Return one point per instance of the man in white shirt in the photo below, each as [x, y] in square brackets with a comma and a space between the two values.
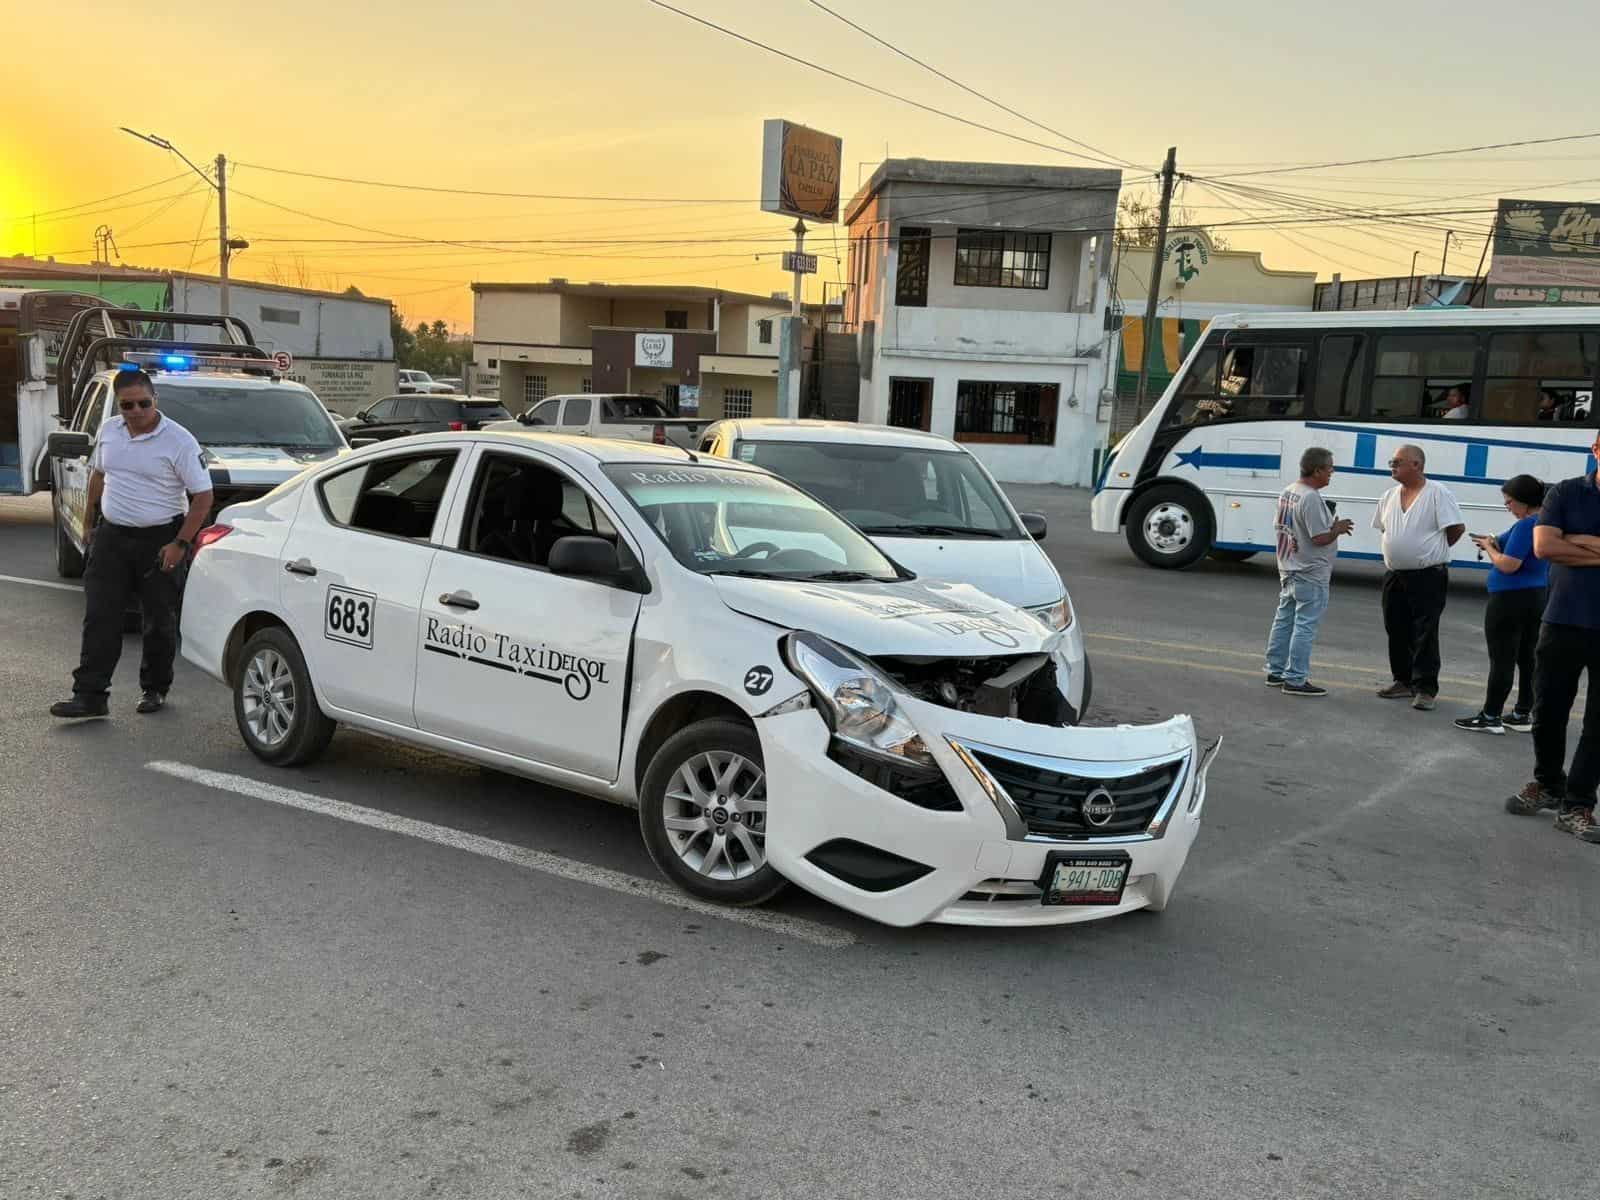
[147, 481]
[1420, 521]
[1457, 403]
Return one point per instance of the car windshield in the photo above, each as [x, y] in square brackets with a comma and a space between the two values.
[893, 491]
[638, 408]
[724, 521]
[289, 417]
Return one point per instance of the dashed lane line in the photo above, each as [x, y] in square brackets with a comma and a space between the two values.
[542, 861]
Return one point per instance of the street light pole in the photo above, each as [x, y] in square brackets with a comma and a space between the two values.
[225, 244]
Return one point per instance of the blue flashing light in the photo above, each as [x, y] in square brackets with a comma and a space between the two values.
[127, 366]
[174, 360]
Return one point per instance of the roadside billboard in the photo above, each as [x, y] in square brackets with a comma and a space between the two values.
[1545, 252]
[800, 171]
[346, 384]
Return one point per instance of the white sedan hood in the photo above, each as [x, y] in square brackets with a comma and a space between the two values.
[915, 617]
[1013, 569]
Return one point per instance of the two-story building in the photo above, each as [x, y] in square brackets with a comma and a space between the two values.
[979, 294]
[701, 350]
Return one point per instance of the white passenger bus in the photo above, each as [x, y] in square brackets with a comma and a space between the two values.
[1487, 394]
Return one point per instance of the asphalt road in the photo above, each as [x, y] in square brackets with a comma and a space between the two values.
[1372, 982]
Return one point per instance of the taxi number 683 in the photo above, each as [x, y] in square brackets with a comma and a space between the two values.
[348, 617]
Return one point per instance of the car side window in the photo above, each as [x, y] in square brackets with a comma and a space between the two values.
[408, 410]
[576, 413]
[93, 410]
[398, 496]
[383, 410]
[521, 508]
[545, 412]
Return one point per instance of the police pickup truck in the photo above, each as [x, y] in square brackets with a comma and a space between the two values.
[782, 702]
[255, 428]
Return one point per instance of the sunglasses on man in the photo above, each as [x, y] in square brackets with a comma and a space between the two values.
[130, 405]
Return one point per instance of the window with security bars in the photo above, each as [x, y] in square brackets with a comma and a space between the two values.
[911, 403]
[587, 386]
[911, 269]
[1019, 413]
[534, 388]
[737, 402]
[997, 258]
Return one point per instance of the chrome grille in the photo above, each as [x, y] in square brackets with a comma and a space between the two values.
[1051, 802]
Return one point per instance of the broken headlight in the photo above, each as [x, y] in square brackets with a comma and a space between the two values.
[858, 702]
[1055, 616]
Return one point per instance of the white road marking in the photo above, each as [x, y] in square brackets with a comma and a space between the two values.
[44, 583]
[521, 856]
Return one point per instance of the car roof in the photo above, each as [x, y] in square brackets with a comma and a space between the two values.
[573, 448]
[777, 429]
[602, 396]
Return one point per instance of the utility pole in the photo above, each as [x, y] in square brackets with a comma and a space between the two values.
[222, 229]
[1169, 173]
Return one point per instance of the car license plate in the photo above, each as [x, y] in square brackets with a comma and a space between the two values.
[1085, 878]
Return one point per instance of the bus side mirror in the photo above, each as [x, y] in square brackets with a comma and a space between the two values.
[35, 360]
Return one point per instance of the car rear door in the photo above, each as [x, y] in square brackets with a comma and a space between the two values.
[354, 567]
[516, 659]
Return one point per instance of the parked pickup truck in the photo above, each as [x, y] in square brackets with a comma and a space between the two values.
[630, 418]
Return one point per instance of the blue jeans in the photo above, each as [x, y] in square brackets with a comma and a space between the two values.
[1301, 603]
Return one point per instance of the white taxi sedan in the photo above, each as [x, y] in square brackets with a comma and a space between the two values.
[697, 637]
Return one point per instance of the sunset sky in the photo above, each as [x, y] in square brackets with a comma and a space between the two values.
[618, 98]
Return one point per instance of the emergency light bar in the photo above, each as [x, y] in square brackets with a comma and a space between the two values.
[178, 361]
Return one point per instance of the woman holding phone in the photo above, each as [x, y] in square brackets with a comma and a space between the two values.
[1517, 583]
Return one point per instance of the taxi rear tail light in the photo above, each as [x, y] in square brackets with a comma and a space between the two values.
[659, 437]
[210, 534]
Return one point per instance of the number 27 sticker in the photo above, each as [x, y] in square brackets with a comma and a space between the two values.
[348, 617]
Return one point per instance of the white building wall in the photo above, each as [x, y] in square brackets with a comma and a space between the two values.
[304, 323]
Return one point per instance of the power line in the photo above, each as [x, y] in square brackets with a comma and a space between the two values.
[1356, 162]
[448, 191]
[987, 99]
[103, 199]
[853, 82]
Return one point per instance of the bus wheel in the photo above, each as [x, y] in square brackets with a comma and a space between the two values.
[1170, 526]
[1232, 555]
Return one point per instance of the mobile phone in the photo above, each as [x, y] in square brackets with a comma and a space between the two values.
[1333, 507]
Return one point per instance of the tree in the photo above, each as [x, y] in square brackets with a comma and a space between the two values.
[405, 344]
[429, 347]
[1138, 221]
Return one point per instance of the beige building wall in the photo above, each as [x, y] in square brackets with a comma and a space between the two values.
[714, 389]
[740, 334]
[1231, 280]
[652, 314]
[532, 317]
[580, 314]
[559, 379]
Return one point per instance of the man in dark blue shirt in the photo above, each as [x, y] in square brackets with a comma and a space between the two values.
[1568, 538]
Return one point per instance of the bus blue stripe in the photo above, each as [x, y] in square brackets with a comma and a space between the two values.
[1359, 555]
[1366, 449]
[1477, 460]
[1437, 478]
[1413, 436]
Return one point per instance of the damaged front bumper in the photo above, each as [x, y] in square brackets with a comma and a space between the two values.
[1020, 797]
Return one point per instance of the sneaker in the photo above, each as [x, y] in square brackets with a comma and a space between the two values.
[1274, 680]
[1520, 721]
[1531, 799]
[1422, 702]
[151, 702]
[1304, 689]
[1481, 724]
[81, 708]
[1396, 691]
[1579, 822]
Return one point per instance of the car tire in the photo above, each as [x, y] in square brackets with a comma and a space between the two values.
[1170, 526]
[69, 559]
[274, 704]
[1233, 556]
[706, 769]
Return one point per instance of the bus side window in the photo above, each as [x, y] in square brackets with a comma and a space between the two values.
[1196, 401]
[1341, 367]
[1263, 382]
[1539, 376]
[1416, 373]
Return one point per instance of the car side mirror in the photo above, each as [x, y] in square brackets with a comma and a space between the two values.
[357, 442]
[1035, 525]
[67, 443]
[593, 557]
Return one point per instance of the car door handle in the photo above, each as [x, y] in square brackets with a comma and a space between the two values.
[458, 600]
[300, 566]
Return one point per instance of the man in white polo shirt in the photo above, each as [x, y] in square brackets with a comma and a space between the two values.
[147, 481]
[1420, 520]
